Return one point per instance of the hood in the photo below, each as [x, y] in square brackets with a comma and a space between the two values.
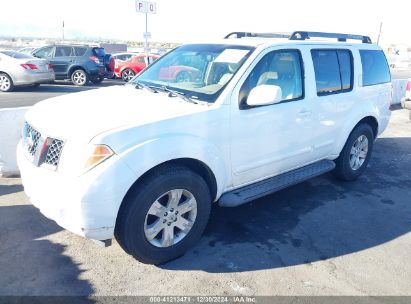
[81, 116]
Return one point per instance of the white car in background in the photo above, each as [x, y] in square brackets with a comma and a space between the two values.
[124, 56]
[27, 50]
[399, 62]
[18, 69]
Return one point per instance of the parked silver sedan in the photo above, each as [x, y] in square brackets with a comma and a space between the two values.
[18, 69]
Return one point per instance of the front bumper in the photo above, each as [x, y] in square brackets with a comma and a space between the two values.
[86, 205]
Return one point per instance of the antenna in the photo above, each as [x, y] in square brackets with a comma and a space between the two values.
[379, 34]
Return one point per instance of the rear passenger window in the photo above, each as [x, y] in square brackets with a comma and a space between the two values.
[333, 71]
[375, 68]
[63, 51]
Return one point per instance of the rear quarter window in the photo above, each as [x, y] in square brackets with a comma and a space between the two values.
[375, 68]
[80, 51]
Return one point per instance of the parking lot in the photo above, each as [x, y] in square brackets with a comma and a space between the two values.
[321, 237]
[27, 96]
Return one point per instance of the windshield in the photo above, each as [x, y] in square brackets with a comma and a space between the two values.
[199, 71]
[16, 55]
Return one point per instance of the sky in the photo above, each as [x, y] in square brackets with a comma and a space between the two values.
[187, 21]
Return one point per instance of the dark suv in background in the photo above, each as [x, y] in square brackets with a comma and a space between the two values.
[79, 63]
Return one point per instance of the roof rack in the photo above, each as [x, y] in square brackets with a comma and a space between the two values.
[300, 35]
[303, 35]
[262, 35]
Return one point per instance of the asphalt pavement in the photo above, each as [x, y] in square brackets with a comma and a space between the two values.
[26, 96]
[321, 237]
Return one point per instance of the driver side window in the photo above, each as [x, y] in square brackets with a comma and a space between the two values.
[278, 68]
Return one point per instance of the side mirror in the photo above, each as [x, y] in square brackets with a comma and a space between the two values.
[264, 95]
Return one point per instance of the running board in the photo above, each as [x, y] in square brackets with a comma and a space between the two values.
[251, 192]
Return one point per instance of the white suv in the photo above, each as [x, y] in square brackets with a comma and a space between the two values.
[249, 116]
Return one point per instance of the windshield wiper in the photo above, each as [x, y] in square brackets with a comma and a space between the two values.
[142, 86]
[173, 93]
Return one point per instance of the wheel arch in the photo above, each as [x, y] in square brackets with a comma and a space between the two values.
[8, 74]
[127, 68]
[74, 68]
[195, 165]
[371, 120]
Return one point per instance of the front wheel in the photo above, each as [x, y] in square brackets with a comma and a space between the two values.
[79, 77]
[356, 153]
[164, 216]
[127, 75]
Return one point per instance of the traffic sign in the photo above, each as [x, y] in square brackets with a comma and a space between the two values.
[146, 7]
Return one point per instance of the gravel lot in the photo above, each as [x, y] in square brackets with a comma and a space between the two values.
[322, 237]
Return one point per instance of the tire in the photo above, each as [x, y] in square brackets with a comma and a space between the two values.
[356, 153]
[6, 83]
[79, 78]
[183, 77]
[133, 221]
[97, 80]
[127, 75]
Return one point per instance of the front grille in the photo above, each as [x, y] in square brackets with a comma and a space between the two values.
[40, 150]
[53, 152]
[31, 139]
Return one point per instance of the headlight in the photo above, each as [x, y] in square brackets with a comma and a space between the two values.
[97, 155]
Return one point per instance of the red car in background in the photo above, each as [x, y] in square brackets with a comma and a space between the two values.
[128, 69]
[179, 73]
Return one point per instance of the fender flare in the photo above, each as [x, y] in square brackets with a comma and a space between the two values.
[143, 157]
[348, 127]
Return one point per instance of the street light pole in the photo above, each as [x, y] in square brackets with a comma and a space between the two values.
[379, 34]
[146, 37]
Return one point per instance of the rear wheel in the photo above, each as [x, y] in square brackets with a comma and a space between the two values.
[127, 75]
[164, 216]
[79, 78]
[6, 84]
[356, 153]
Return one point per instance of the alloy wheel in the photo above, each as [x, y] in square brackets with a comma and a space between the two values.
[79, 78]
[128, 75]
[4, 83]
[170, 218]
[358, 152]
